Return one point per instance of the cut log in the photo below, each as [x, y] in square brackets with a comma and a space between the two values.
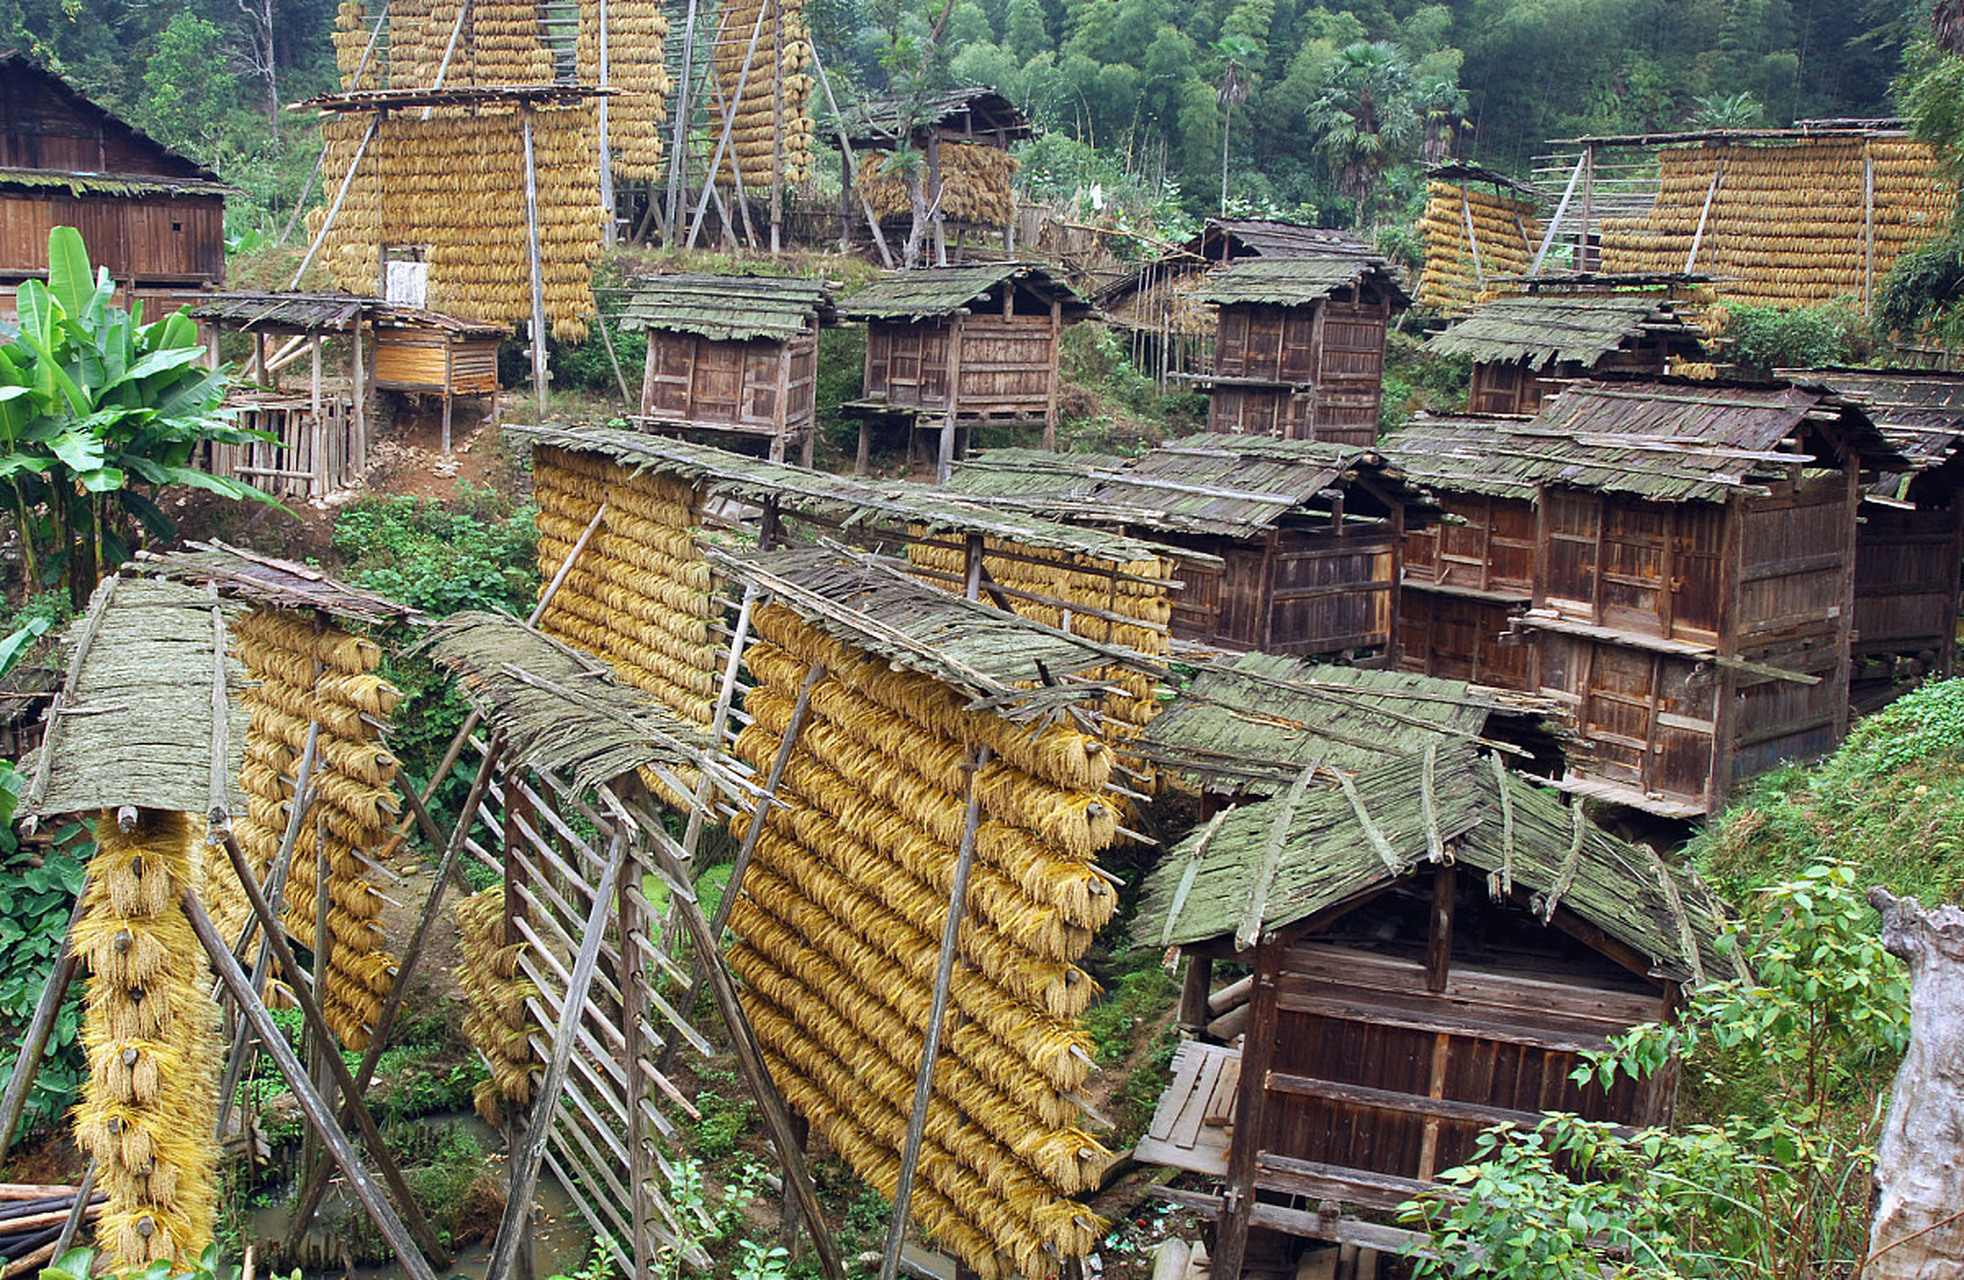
[1232, 995]
[1918, 1232]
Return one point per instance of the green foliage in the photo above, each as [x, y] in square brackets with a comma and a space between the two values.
[1116, 1023]
[1767, 338]
[759, 1261]
[475, 552]
[1722, 111]
[80, 1264]
[37, 891]
[599, 1264]
[703, 1218]
[1775, 1185]
[98, 412]
[1366, 119]
[840, 377]
[724, 1121]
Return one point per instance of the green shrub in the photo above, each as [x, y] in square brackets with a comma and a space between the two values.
[475, 553]
[1767, 338]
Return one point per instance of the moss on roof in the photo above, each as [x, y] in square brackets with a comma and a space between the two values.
[1547, 330]
[1295, 281]
[729, 308]
[941, 291]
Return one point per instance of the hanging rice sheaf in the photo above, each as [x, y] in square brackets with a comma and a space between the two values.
[150, 1030]
[772, 129]
[637, 32]
[352, 28]
[1505, 229]
[642, 595]
[499, 1025]
[455, 184]
[305, 673]
[1790, 224]
[840, 924]
[974, 184]
[1137, 593]
[506, 44]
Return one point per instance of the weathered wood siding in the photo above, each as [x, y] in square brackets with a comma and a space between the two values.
[1326, 359]
[1648, 568]
[999, 366]
[1505, 386]
[1645, 720]
[415, 361]
[1371, 1071]
[1330, 592]
[43, 128]
[1456, 637]
[153, 238]
[1481, 544]
[1907, 581]
[763, 387]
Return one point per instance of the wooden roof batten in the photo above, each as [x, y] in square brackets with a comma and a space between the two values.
[729, 308]
[1551, 330]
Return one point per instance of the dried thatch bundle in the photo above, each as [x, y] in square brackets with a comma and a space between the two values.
[150, 1031]
[499, 1025]
[975, 184]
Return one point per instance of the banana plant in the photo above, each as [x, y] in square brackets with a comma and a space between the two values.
[98, 412]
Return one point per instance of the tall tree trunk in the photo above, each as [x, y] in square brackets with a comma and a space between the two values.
[1227, 130]
[1918, 1231]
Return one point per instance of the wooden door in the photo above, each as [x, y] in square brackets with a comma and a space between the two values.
[1632, 587]
[1573, 523]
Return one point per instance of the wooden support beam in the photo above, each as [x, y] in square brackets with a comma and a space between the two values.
[1238, 1203]
[910, 1153]
[538, 271]
[312, 1105]
[13, 1104]
[845, 152]
[526, 1159]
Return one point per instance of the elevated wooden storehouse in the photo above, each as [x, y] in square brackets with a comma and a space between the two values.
[1435, 945]
[427, 353]
[1526, 348]
[1909, 545]
[1302, 539]
[964, 136]
[731, 355]
[154, 218]
[951, 348]
[1299, 348]
[1694, 578]
[1470, 573]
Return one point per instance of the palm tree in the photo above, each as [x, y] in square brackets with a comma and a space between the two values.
[1366, 119]
[1237, 52]
[1443, 103]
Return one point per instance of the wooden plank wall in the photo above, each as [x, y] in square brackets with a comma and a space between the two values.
[1907, 580]
[1482, 544]
[907, 364]
[178, 238]
[415, 361]
[42, 128]
[299, 462]
[1008, 365]
[1371, 1071]
[1327, 360]
[1647, 568]
[762, 387]
[1328, 592]
[1647, 720]
[1456, 637]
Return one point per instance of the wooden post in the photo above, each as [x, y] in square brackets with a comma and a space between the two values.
[526, 1159]
[317, 436]
[1051, 376]
[1251, 1097]
[311, 1103]
[358, 440]
[1868, 225]
[1194, 990]
[634, 997]
[862, 460]
[13, 1104]
[1711, 194]
[606, 159]
[678, 148]
[944, 974]
[449, 380]
[1439, 941]
[845, 152]
[1561, 207]
[945, 461]
[332, 209]
[777, 125]
[532, 253]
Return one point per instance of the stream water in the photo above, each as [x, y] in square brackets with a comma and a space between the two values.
[561, 1235]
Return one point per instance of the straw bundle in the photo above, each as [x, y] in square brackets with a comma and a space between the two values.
[1790, 224]
[841, 919]
[505, 44]
[151, 1034]
[637, 32]
[498, 1025]
[974, 184]
[350, 35]
[308, 673]
[772, 130]
[1507, 231]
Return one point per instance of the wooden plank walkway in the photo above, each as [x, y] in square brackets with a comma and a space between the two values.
[1193, 1122]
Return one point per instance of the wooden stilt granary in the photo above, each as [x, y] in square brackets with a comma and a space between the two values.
[1299, 348]
[1436, 945]
[733, 355]
[951, 348]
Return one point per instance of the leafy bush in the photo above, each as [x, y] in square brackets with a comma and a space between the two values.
[1767, 338]
[36, 892]
[474, 554]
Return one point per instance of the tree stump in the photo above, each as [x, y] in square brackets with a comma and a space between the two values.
[1918, 1231]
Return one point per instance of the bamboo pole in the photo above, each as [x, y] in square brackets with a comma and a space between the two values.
[606, 156]
[678, 151]
[354, 166]
[845, 150]
[910, 1154]
[532, 255]
[723, 142]
[13, 1104]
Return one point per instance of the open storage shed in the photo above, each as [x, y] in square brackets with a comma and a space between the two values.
[1435, 944]
[952, 348]
[731, 355]
[1299, 347]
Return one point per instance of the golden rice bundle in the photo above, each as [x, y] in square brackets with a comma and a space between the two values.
[498, 1025]
[975, 184]
[149, 1030]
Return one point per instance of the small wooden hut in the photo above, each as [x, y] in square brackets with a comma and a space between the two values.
[731, 355]
[1299, 349]
[1909, 545]
[155, 219]
[427, 353]
[950, 348]
[1436, 943]
[1693, 576]
[1302, 539]
[1470, 573]
[964, 136]
[1525, 348]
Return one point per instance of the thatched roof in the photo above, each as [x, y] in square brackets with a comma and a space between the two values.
[822, 495]
[1015, 667]
[978, 109]
[281, 584]
[1273, 864]
[1297, 281]
[133, 724]
[1456, 455]
[1552, 329]
[1256, 721]
[932, 292]
[729, 308]
[1232, 485]
[1921, 411]
[1226, 239]
[559, 709]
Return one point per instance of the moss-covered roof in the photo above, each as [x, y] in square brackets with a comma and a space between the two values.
[930, 292]
[729, 308]
[1456, 455]
[128, 186]
[1548, 330]
[1038, 478]
[1921, 411]
[1256, 721]
[1296, 281]
[1273, 864]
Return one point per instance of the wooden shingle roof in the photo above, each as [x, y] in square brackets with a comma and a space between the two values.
[1552, 329]
[1269, 865]
[729, 308]
[941, 291]
[1457, 455]
[1296, 281]
[1921, 411]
